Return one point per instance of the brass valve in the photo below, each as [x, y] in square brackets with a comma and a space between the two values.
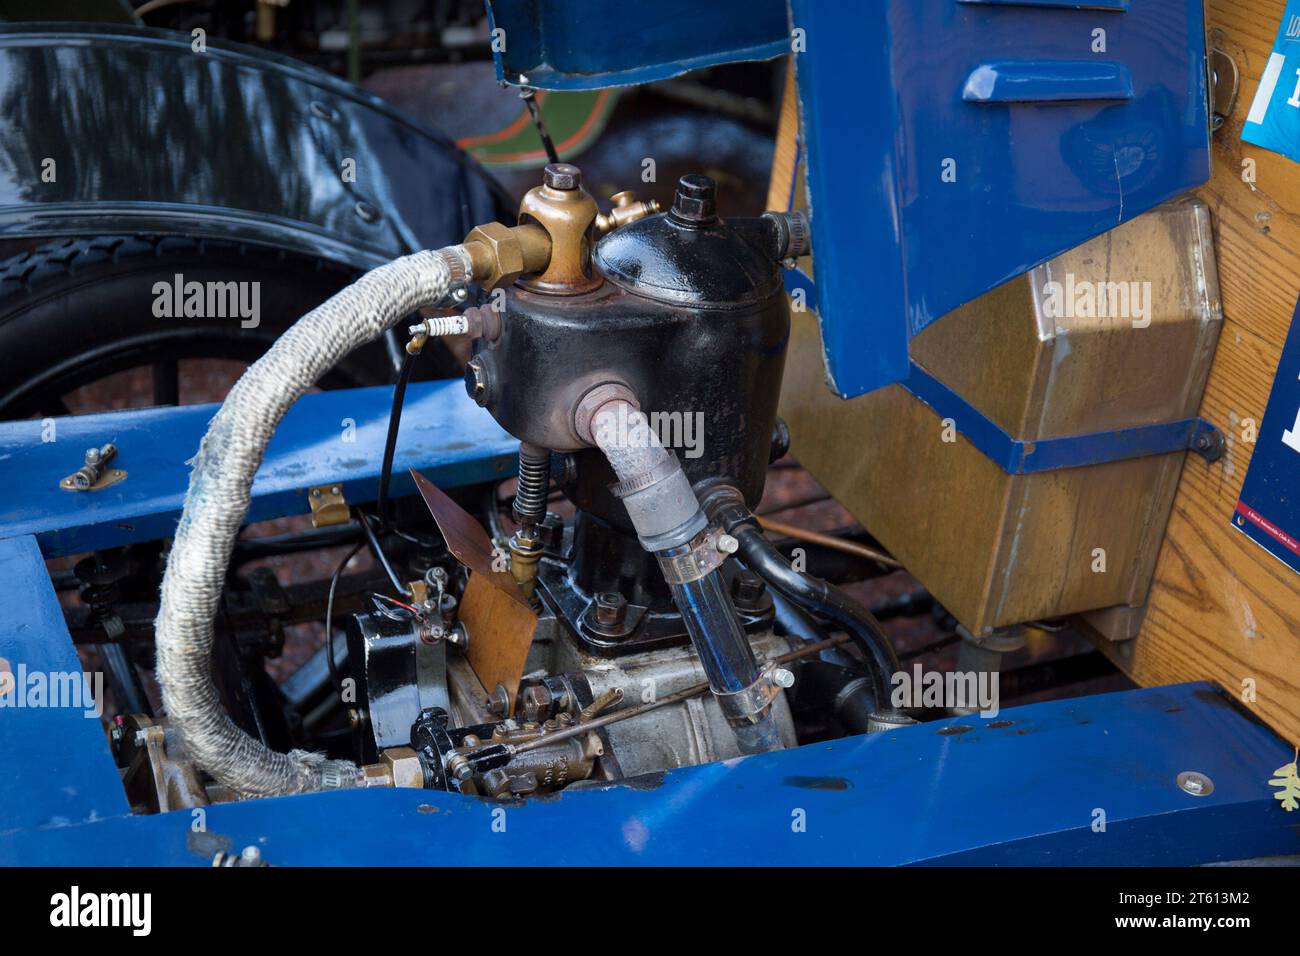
[626, 210]
[550, 248]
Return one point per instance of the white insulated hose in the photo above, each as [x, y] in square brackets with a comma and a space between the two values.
[218, 500]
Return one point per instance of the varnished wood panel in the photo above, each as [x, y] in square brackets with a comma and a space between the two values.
[1222, 607]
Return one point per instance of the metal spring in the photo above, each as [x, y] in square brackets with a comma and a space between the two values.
[534, 485]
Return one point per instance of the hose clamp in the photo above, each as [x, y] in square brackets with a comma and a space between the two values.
[706, 553]
[749, 704]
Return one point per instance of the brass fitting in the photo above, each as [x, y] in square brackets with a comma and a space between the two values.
[551, 246]
[500, 254]
[525, 552]
[626, 210]
[567, 213]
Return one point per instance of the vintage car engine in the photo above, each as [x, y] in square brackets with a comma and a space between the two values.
[645, 329]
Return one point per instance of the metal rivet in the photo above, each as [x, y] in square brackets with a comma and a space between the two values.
[367, 212]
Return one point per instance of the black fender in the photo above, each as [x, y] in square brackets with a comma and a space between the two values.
[109, 129]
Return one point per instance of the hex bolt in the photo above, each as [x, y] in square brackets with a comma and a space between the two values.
[781, 677]
[611, 608]
[696, 200]
[537, 703]
[499, 703]
[727, 544]
[748, 589]
[563, 176]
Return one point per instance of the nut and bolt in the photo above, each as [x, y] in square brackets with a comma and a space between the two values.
[611, 608]
[537, 702]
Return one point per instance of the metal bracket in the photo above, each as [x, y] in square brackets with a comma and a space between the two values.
[1017, 457]
[1224, 81]
[328, 506]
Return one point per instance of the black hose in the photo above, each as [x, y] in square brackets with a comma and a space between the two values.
[726, 505]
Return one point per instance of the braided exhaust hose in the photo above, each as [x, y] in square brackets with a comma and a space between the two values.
[218, 500]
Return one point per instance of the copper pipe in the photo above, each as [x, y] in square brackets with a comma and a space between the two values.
[828, 541]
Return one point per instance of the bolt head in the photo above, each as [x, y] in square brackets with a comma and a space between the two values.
[727, 544]
[782, 677]
[564, 176]
[611, 608]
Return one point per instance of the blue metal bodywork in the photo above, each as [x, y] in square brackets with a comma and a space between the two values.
[1024, 788]
[953, 146]
[591, 44]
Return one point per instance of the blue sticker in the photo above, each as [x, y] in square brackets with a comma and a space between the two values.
[1274, 118]
[1268, 511]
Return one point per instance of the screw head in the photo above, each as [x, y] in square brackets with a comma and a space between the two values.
[1195, 783]
[251, 855]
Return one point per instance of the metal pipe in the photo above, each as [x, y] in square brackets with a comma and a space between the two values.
[828, 541]
[670, 524]
[725, 504]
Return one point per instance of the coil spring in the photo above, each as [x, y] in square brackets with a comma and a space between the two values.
[534, 484]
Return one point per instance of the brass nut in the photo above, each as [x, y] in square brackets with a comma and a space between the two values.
[504, 261]
[404, 765]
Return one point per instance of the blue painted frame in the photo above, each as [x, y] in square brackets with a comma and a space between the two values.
[329, 437]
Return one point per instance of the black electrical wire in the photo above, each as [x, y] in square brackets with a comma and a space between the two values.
[329, 617]
[377, 550]
[528, 95]
[390, 443]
